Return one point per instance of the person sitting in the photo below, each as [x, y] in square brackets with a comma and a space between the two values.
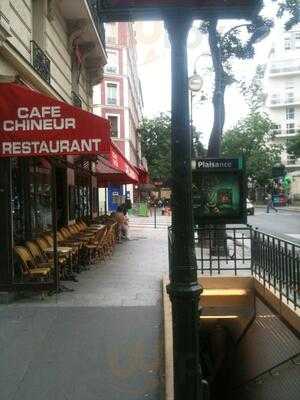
[122, 221]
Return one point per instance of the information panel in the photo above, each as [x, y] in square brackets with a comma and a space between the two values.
[219, 191]
[126, 10]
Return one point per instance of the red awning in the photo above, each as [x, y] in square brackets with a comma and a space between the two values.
[117, 169]
[143, 175]
[32, 124]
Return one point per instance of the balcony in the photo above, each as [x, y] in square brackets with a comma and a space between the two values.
[41, 63]
[284, 69]
[282, 102]
[98, 24]
[286, 132]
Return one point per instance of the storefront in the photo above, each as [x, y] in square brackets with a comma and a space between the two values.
[42, 187]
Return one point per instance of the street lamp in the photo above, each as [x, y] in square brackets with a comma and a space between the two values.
[195, 85]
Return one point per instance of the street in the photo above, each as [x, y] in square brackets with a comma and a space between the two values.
[285, 223]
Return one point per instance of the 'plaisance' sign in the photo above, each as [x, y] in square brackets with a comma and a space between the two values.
[125, 10]
[219, 191]
[32, 124]
[216, 163]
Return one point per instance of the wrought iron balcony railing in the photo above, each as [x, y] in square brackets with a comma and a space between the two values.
[98, 23]
[282, 70]
[41, 63]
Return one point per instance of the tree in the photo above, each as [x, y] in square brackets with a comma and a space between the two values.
[293, 146]
[254, 92]
[251, 138]
[198, 149]
[223, 48]
[292, 8]
[156, 145]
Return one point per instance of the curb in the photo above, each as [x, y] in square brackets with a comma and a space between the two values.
[168, 342]
[296, 209]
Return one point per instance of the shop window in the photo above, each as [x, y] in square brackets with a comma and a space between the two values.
[112, 94]
[82, 196]
[40, 197]
[72, 203]
[290, 113]
[95, 200]
[114, 123]
[31, 198]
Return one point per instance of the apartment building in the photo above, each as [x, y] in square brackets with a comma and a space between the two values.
[119, 98]
[283, 101]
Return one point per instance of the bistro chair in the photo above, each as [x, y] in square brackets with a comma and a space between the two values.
[37, 254]
[30, 269]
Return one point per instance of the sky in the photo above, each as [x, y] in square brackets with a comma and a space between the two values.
[154, 70]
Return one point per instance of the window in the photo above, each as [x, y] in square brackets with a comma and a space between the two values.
[290, 129]
[277, 129]
[289, 85]
[111, 33]
[290, 113]
[291, 160]
[112, 66]
[112, 94]
[275, 99]
[287, 44]
[114, 122]
[290, 97]
[297, 40]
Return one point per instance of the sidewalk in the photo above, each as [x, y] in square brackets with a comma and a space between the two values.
[102, 342]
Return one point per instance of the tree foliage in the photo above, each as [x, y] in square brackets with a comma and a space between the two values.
[198, 149]
[292, 9]
[224, 47]
[251, 138]
[156, 145]
[293, 146]
[254, 92]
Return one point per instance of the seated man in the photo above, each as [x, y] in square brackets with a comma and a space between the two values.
[122, 221]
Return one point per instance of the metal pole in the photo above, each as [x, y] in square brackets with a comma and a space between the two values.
[105, 201]
[155, 216]
[54, 224]
[184, 290]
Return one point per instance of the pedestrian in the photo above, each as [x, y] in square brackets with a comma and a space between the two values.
[122, 221]
[270, 204]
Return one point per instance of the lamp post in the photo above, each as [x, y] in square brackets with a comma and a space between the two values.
[183, 289]
[195, 85]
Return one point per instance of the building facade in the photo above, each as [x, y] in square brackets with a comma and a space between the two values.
[283, 101]
[55, 48]
[119, 97]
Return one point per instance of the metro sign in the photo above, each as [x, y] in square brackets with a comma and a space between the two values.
[126, 10]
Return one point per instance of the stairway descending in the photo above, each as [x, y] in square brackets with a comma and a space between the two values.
[227, 298]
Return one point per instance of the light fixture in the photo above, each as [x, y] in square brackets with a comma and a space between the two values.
[195, 82]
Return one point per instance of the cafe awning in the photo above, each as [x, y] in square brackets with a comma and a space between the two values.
[32, 124]
[116, 169]
[143, 175]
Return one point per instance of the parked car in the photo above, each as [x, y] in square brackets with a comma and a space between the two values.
[250, 208]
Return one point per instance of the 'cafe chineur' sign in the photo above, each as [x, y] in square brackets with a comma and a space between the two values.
[32, 124]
